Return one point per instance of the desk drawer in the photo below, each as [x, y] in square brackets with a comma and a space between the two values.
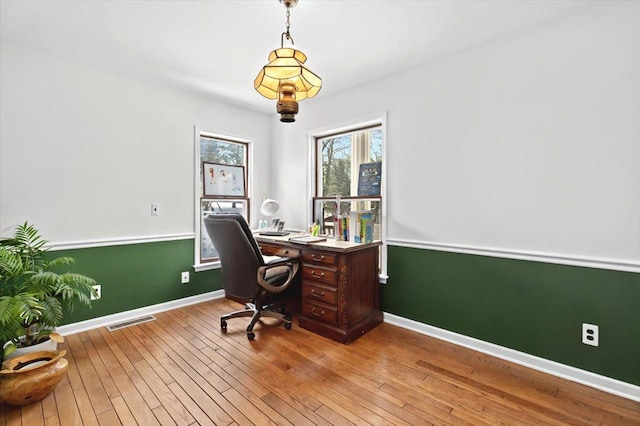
[320, 312]
[324, 294]
[270, 250]
[319, 275]
[319, 258]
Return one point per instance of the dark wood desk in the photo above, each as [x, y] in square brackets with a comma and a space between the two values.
[340, 285]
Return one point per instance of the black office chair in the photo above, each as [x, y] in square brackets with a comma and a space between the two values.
[245, 275]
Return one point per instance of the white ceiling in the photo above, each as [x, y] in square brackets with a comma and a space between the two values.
[217, 47]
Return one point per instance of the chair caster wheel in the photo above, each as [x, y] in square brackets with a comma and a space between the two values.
[251, 335]
[223, 326]
[287, 326]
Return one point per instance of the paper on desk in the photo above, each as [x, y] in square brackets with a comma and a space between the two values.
[269, 259]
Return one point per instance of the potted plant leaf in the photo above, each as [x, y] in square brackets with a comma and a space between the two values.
[33, 296]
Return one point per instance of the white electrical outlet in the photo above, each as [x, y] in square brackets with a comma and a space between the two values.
[96, 292]
[185, 277]
[155, 209]
[590, 335]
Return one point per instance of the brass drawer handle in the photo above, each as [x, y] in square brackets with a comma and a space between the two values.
[313, 292]
[317, 259]
[316, 276]
[313, 311]
[286, 252]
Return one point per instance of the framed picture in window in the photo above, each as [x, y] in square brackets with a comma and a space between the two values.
[369, 178]
[223, 180]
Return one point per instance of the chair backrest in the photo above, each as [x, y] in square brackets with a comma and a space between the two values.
[239, 254]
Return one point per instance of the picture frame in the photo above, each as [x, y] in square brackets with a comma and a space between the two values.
[223, 180]
[369, 178]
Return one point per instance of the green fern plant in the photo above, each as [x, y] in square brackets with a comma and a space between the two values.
[32, 296]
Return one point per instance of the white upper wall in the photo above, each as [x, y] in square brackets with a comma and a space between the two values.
[84, 152]
[530, 142]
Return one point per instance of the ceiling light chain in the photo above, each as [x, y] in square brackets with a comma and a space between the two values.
[287, 34]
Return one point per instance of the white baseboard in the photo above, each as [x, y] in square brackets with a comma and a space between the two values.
[613, 386]
[78, 327]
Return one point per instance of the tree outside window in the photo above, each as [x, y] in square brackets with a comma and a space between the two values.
[338, 177]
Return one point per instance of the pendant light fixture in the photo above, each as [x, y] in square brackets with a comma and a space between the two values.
[285, 77]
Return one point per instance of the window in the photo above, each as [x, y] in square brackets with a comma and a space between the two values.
[221, 185]
[348, 181]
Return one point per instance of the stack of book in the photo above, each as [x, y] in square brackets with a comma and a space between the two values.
[357, 227]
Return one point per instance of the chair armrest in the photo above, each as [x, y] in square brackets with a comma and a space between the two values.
[292, 263]
[280, 261]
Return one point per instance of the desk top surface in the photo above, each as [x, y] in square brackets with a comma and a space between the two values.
[329, 244]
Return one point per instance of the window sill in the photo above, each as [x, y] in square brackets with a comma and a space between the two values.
[206, 266]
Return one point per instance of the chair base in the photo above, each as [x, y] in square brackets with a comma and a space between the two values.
[250, 310]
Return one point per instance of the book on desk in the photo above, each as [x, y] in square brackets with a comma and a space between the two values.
[356, 227]
[307, 239]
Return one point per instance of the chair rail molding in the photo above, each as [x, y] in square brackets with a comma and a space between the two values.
[625, 265]
[71, 245]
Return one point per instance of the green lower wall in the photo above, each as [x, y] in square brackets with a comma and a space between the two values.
[532, 307]
[138, 275]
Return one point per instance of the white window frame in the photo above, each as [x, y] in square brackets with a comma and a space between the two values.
[379, 120]
[198, 133]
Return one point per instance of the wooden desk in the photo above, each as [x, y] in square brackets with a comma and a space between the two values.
[340, 285]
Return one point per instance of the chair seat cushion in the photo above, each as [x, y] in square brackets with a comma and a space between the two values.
[277, 275]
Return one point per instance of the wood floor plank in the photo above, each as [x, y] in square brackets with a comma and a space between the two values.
[107, 338]
[125, 416]
[198, 384]
[495, 394]
[139, 341]
[149, 397]
[153, 350]
[195, 385]
[277, 382]
[13, 415]
[127, 350]
[163, 416]
[373, 401]
[101, 371]
[231, 353]
[73, 375]
[92, 384]
[181, 369]
[32, 414]
[293, 415]
[52, 421]
[108, 418]
[255, 410]
[205, 396]
[332, 417]
[129, 392]
[67, 409]
[85, 408]
[175, 409]
[344, 407]
[201, 417]
[48, 406]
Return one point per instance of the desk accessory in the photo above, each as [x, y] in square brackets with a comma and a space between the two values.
[274, 233]
[307, 239]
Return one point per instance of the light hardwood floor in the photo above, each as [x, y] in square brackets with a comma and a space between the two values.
[180, 369]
